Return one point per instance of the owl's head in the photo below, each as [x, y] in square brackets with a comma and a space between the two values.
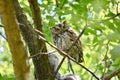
[59, 28]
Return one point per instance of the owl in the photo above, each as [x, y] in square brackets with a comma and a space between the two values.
[64, 37]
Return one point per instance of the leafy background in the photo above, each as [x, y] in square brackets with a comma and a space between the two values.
[100, 41]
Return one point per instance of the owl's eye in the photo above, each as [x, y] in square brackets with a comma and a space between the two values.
[59, 25]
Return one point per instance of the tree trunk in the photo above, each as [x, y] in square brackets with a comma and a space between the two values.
[45, 72]
[41, 64]
[18, 52]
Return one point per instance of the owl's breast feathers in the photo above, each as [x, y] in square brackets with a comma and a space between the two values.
[77, 46]
[64, 37]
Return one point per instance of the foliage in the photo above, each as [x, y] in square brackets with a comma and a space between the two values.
[100, 40]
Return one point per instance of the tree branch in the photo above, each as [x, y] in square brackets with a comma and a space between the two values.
[116, 72]
[56, 2]
[65, 54]
[118, 14]
[117, 7]
[40, 54]
[3, 36]
[32, 42]
[105, 59]
[77, 38]
[63, 4]
[36, 15]
[59, 66]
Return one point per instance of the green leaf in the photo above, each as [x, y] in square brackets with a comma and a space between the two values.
[113, 36]
[115, 52]
[110, 14]
[5, 77]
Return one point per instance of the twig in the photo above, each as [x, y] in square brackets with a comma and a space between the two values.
[118, 14]
[77, 38]
[70, 66]
[56, 2]
[94, 73]
[3, 36]
[63, 4]
[1, 33]
[61, 8]
[117, 7]
[105, 59]
[114, 73]
[59, 66]
[41, 54]
[65, 54]
[37, 53]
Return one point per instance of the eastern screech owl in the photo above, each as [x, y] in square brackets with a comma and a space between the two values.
[63, 38]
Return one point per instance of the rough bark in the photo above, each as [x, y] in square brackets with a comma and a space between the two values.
[41, 65]
[18, 52]
[36, 15]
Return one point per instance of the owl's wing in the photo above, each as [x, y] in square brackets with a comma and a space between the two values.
[78, 45]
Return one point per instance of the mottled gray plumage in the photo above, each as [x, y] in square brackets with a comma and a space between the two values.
[63, 38]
